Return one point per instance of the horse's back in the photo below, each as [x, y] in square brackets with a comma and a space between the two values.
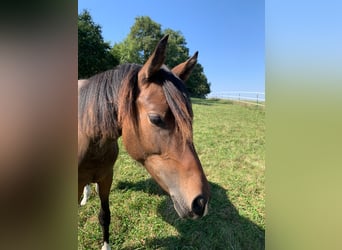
[82, 83]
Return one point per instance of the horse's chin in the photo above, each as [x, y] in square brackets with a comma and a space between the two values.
[182, 210]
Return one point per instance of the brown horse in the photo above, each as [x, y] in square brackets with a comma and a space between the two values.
[149, 106]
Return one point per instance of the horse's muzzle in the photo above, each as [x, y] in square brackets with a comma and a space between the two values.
[198, 209]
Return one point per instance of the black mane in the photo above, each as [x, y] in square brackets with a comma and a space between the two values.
[97, 104]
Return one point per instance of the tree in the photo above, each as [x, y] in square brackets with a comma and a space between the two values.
[197, 84]
[141, 41]
[93, 53]
[177, 51]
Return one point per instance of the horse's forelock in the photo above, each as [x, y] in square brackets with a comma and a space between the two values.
[178, 100]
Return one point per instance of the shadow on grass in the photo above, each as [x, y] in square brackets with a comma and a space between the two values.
[222, 228]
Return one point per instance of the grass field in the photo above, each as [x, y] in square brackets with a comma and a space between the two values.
[230, 141]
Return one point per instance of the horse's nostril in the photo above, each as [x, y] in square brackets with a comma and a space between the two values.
[198, 205]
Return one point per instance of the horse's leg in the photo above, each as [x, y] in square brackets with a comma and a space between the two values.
[86, 195]
[81, 186]
[104, 215]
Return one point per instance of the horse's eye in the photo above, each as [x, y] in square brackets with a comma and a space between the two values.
[156, 120]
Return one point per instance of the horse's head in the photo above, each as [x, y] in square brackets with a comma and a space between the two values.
[161, 135]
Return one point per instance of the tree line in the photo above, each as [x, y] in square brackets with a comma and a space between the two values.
[95, 55]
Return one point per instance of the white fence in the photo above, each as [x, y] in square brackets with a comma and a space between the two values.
[254, 98]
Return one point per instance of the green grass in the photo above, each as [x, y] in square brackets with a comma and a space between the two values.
[230, 141]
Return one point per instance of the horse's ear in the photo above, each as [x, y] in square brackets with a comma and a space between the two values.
[155, 61]
[184, 69]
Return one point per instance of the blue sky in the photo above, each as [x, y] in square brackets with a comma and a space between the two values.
[229, 34]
